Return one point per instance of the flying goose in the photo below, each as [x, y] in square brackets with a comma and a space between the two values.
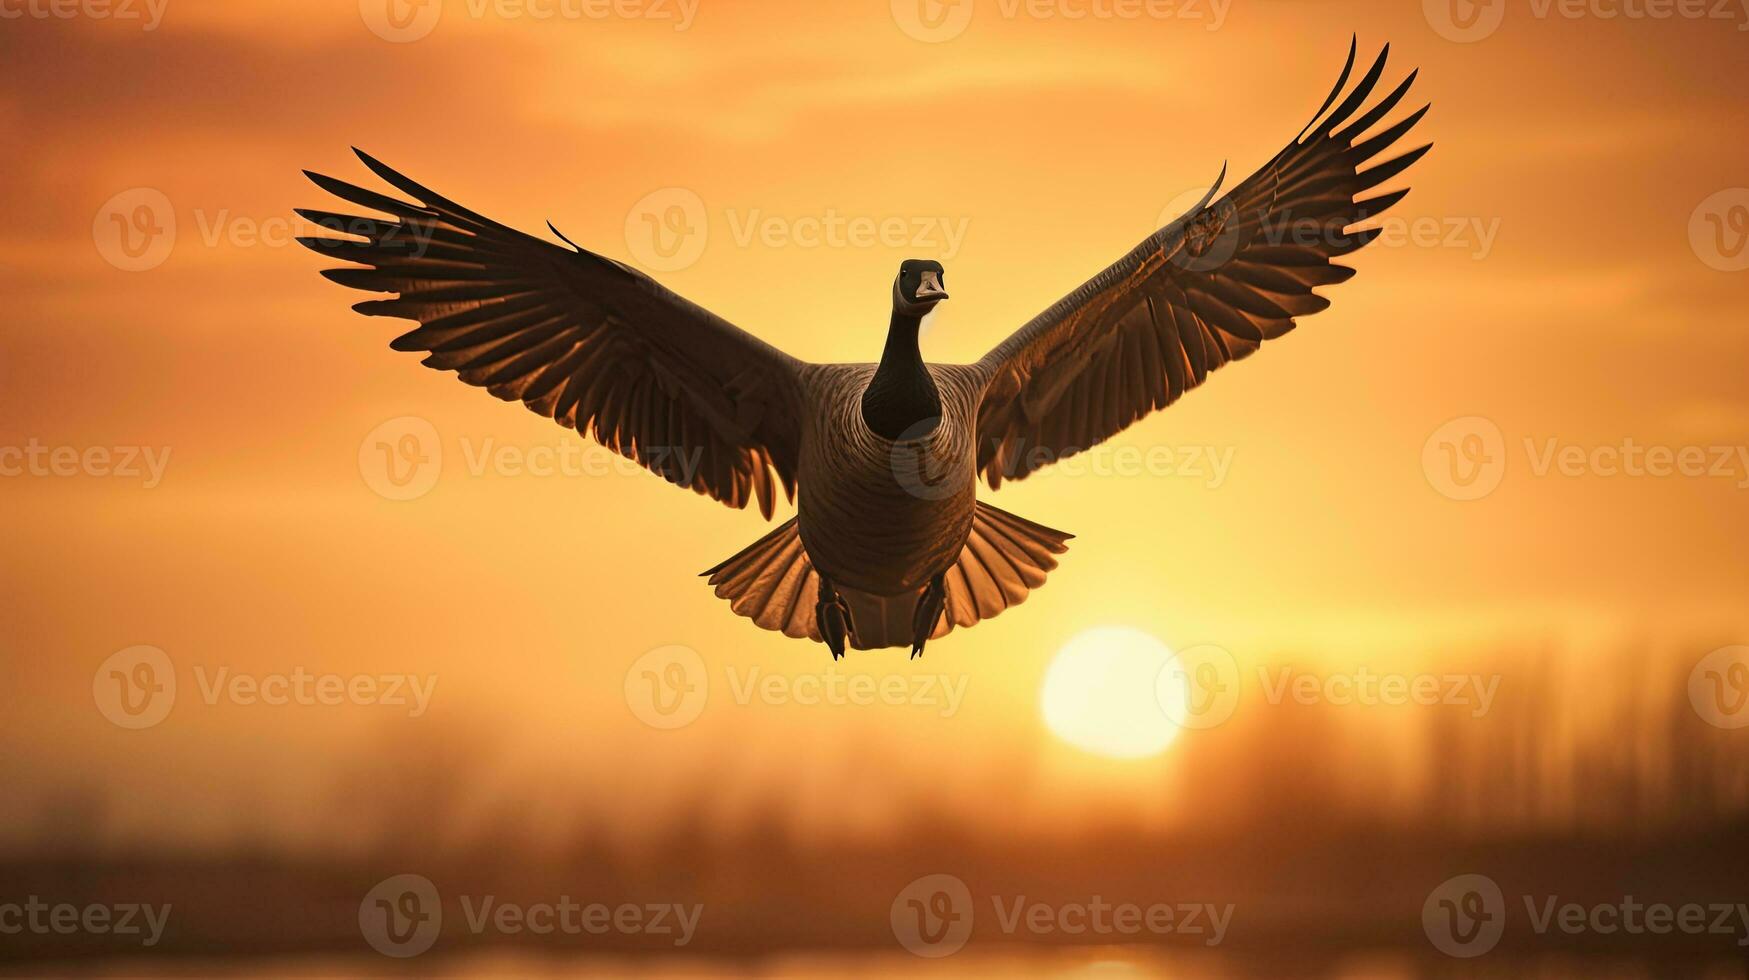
[890, 545]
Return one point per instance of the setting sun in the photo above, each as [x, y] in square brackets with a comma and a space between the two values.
[1100, 693]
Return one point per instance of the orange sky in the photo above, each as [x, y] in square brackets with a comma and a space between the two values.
[1559, 296]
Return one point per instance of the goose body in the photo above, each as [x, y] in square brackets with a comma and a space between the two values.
[890, 545]
[877, 514]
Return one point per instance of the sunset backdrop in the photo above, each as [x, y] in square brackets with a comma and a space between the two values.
[1551, 275]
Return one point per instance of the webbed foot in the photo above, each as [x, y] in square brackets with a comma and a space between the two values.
[832, 614]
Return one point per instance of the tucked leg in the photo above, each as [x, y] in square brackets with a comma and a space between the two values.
[929, 607]
[832, 614]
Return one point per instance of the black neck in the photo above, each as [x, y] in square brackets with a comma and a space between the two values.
[902, 395]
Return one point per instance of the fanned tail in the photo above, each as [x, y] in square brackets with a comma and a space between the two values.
[773, 583]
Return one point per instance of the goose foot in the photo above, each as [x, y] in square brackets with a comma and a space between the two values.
[832, 614]
[929, 607]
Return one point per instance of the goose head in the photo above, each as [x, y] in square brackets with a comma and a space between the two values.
[918, 287]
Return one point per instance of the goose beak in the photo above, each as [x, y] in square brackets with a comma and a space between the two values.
[930, 289]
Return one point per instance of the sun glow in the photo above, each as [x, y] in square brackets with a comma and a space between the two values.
[1100, 693]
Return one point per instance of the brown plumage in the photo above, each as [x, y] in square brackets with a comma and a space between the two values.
[890, 546]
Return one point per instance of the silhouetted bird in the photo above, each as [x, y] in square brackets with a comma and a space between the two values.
[890, 546]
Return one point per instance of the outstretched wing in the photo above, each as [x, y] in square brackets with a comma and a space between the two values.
[1207, 289]
[587, 341]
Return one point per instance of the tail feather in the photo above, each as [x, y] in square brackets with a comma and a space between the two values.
[773, 583]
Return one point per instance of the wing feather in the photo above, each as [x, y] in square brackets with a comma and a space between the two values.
[1209, 288]
[587, 341]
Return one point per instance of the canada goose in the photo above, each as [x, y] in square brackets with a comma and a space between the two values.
[890, 545]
